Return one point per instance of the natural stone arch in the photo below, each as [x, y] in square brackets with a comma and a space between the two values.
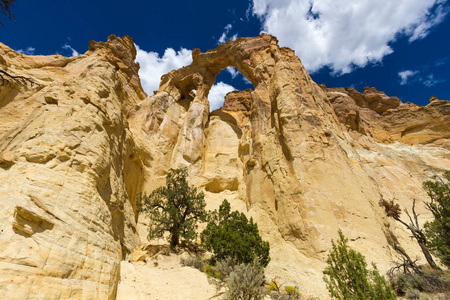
[245, 54]
[284, 120]
[254, 58]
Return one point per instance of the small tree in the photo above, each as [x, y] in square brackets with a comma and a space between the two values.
[347, 276]
[176, 208]
[231, 235]
[438, 230]
[393, 210]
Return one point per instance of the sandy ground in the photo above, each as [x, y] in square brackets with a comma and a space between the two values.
[163, 277]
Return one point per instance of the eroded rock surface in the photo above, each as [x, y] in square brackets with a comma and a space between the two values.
[68, 168]
[303, 160]
[306, 160]
[387, 119]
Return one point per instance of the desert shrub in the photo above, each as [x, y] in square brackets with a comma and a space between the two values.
[197, 262]
[274, 291]
[274, 285]
[211, 272]
[438, 230]
[241, 281]
[407, 285]
[245, 282]
[292, 292]
[411, 285]
[347, 276]
[232, 235]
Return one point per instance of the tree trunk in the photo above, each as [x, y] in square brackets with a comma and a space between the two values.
[174, 240]
[427, 254]
[420, 238]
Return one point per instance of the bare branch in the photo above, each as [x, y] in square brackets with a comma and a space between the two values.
[5, 8]
[7, 78]
[413, 227]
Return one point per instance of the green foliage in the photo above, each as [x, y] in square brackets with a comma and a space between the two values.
[408, 285]
[231, 235]
[274, 285]
[274, 291]
[416, 285]
[347, 276]
[292, 292]
[245, 282]
[175, 207]
[211, 271]
[438, 230]
[241, 281]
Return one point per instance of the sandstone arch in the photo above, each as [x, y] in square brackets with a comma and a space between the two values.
[75, 152]
[284, 103]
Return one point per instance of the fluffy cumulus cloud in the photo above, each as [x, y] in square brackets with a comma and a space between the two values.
[343, 34]
[217, 94]
[153, 66]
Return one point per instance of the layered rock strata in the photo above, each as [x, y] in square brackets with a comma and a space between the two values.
[78, 145]
[305, 160]
[68, 169]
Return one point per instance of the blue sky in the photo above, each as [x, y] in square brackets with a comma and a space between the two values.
[401, 47]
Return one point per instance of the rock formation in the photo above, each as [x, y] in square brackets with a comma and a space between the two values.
[82, 141]
[68, 171]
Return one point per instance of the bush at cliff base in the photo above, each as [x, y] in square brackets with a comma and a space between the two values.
[232, 235]
[438, 230]
[347, 276]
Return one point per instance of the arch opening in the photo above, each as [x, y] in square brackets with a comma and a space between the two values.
[228, 80]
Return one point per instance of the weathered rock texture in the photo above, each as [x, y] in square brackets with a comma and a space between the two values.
[68, 170]
[303, 160]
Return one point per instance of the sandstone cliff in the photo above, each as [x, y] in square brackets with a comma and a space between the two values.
[67, 171]
[78, 144]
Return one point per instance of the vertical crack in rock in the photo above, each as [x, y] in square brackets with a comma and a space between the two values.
[305, 159]
[301, 159]
[67, 145]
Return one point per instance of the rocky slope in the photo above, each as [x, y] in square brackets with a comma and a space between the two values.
[79, 140]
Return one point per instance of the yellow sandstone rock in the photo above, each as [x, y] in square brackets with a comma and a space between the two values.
[79, 140]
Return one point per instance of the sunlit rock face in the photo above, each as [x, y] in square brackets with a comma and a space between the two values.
[301, 159]
[68, 172]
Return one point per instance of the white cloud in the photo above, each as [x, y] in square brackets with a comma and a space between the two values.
[343, 34]
[217, 94]
[247, 81]
[406, 75]
[152, 66]
[28, 51]
[73, 51]
[431, 19]
[224, 37]
[233, 72]
[431, 81]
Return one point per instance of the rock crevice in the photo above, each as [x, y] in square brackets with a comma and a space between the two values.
[301, 159]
